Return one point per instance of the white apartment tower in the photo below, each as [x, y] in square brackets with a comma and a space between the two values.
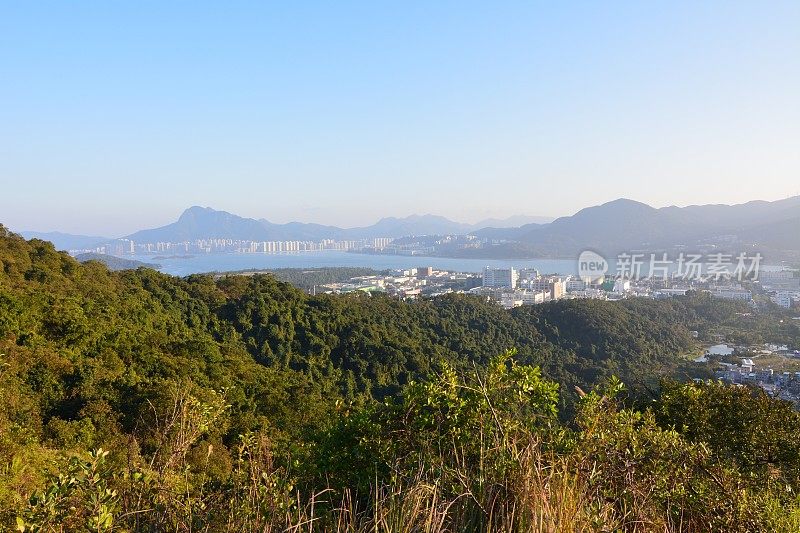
[500, 277]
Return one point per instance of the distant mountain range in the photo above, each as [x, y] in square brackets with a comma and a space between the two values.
[66, 241]
[620, 225]
[511, 222]
[204, 222]
[629, 225]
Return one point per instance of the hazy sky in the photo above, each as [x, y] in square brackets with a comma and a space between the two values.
[116, 116]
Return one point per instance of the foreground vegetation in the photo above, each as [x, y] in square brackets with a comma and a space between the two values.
[138, 401]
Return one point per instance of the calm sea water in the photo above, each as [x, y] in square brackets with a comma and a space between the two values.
[230, 262]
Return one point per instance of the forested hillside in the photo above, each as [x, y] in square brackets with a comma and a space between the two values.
[245, 389]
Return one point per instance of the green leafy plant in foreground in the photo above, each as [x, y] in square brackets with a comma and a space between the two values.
[81, 498]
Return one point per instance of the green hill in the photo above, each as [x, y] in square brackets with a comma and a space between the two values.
[113, 262]
[242, 403]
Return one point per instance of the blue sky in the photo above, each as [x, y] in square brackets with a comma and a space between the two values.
[116, 116]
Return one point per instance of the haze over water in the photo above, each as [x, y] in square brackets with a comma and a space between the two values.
[183, 266]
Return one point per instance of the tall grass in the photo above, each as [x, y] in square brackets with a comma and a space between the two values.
[453, 457]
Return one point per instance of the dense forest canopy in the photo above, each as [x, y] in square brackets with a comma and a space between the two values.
[121, 361]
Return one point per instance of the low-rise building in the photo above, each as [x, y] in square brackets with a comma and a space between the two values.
[741, 295]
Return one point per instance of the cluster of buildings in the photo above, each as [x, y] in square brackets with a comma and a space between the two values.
[510, 287]
[786, 299]
[121, 247]
[784, 385]
[782, 286]
[513, 288]
[276, 247]
[407, 284]
[428, 245]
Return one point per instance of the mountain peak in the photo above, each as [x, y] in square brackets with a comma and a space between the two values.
[197, 210]
[198, 222]
[626, 203]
